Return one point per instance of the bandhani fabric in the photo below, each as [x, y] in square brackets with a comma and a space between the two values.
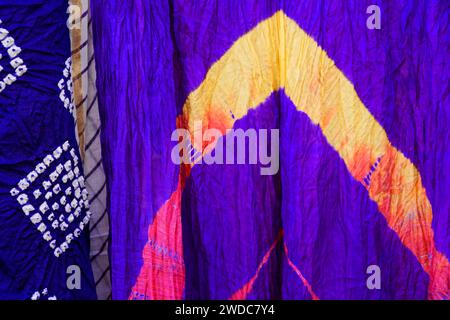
[44, 205]
[364, 144]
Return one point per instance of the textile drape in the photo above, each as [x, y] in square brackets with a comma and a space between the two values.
[364, 153]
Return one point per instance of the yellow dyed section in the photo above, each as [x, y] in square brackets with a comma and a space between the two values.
[278, 54]
[242, 79]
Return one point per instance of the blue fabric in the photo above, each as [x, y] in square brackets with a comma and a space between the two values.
[33, 124]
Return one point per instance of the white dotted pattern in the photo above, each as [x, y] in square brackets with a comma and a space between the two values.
[54, 198]
[65, 86]
[8, 42]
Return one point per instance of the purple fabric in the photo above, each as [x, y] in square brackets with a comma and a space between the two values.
[151, 55]
[135, 80]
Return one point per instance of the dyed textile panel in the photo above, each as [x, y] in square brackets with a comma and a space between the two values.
[44, 216]
[88, 134]
[364, 150]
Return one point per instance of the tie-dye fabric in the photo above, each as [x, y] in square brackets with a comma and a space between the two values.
[364, 148]
[44, 216]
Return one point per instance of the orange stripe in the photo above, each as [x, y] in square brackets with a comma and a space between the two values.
[162, 275]
[300, 275]
[396, 187]
[243, 292]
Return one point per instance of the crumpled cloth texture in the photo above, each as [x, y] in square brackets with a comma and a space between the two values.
[364, 148]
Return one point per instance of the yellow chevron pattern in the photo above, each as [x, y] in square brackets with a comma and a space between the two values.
[278, 55]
